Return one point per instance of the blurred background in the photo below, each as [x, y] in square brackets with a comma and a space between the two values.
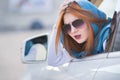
[20, 19]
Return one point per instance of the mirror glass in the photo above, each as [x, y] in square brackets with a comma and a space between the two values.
[35, 49]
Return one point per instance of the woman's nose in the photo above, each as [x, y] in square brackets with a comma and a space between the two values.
[73, 29]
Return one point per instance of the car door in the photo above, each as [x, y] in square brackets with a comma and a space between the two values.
[110, 68]
[83, 69]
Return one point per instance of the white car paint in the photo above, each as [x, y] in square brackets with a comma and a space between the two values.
[89, 68]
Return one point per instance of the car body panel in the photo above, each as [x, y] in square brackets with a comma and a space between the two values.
[109, 69]
[75, 71]
[78, 69]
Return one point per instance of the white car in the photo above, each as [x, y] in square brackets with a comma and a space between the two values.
[104, 66]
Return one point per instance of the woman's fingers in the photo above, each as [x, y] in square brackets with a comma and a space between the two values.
[64, 5]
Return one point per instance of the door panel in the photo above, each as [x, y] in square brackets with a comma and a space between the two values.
[109, 69]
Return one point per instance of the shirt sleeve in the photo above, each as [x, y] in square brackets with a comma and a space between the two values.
[56, 58]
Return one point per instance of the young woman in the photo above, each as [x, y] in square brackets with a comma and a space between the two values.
[80, 31]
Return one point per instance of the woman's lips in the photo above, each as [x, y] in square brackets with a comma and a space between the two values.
[77, 36]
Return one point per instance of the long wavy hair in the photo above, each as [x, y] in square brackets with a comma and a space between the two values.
[70, 44]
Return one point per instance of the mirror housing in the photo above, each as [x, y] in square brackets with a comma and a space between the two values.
[35, 48]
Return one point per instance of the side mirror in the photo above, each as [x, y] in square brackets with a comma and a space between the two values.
[35, 49]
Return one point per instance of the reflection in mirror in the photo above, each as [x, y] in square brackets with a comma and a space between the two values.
[35, 49]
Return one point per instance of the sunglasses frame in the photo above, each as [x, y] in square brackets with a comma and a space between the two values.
[76, 24]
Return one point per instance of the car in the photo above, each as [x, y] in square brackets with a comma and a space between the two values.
[103, 66]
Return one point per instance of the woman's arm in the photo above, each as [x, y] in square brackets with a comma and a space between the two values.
[59, 58]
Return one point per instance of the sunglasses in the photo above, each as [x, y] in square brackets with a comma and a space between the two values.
[76, 24]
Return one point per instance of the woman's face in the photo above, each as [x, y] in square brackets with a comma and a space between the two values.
[75, 27]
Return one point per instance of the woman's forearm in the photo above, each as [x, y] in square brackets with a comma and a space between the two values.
[56, 58]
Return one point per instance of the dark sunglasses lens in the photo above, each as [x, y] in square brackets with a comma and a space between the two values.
[67, 28]
[78, 23]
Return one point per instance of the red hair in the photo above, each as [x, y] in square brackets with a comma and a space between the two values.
[68, 42]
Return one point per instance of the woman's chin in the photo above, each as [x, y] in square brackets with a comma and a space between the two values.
[80, 41]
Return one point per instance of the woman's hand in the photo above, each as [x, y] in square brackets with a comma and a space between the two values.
[64, 5]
